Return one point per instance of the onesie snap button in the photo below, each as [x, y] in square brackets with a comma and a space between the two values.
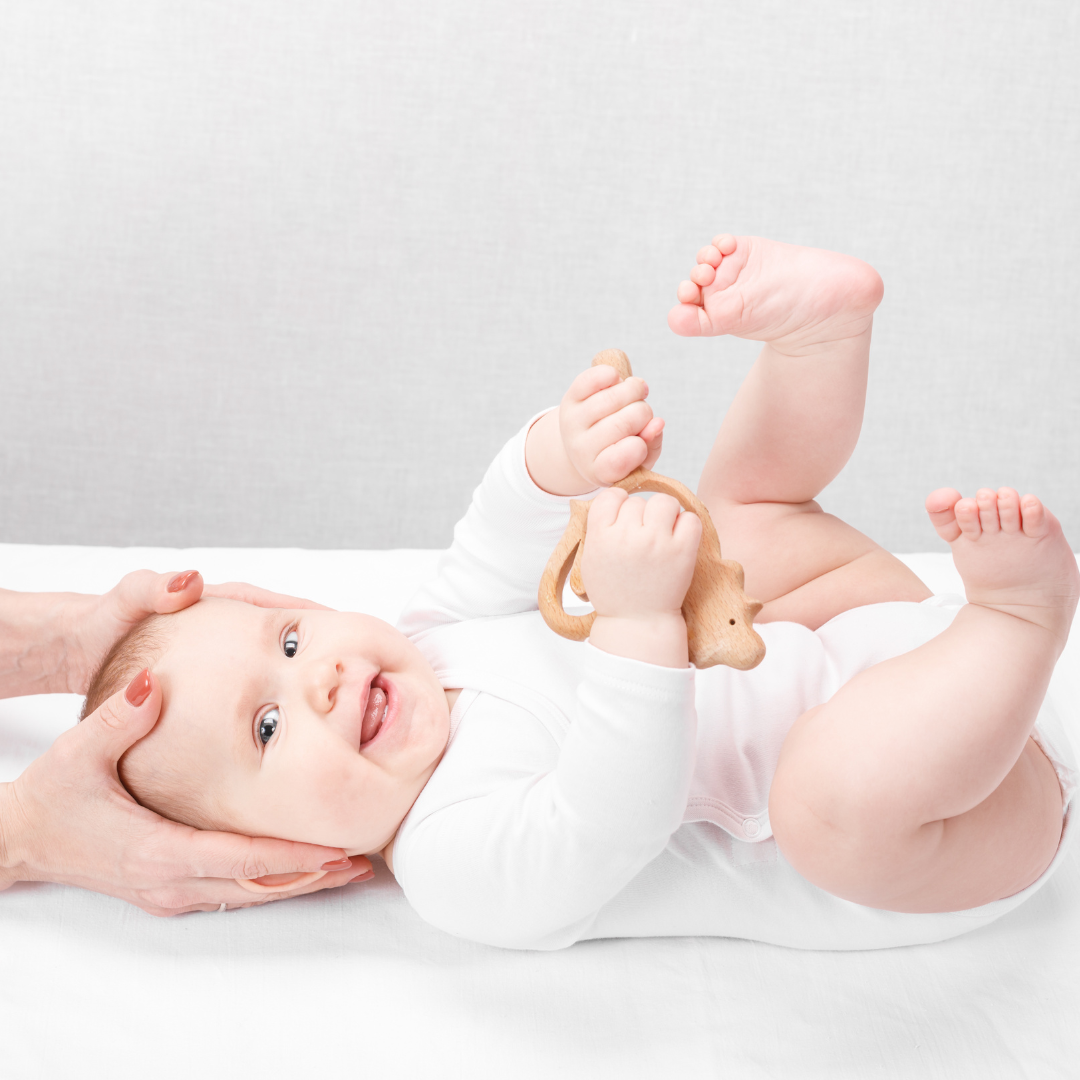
[751, 827]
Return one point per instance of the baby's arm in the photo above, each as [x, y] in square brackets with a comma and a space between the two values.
[639, 556]
[520, 843]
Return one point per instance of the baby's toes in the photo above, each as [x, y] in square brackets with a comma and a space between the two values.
[1034, 516]
[710, 255]
[967, 517]
[724, 243]
[1008, 503]
[689, 293]
[940, 506]
[703, 274]
[988, 510]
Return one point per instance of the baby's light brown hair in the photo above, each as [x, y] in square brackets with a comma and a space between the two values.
[147, 769]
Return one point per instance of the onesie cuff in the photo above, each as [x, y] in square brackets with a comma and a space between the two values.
[639, 672]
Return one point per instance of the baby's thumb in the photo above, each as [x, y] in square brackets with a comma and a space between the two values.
[121, 721]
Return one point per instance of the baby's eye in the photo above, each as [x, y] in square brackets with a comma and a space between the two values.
[268, 723]
[292, 643]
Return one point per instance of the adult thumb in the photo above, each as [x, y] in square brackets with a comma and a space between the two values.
[122, 720]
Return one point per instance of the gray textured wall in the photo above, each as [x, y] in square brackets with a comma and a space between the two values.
[279, 274]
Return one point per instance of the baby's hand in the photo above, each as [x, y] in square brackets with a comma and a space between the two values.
[607, 428]
[637, 565]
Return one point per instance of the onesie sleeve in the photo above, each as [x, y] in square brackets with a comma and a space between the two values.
[523, 859]
[500, 549]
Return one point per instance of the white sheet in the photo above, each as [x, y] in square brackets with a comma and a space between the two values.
[351, 983]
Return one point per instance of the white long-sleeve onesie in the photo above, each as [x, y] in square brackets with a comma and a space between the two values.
[587, 795]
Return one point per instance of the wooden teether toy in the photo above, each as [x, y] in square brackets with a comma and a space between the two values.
[719, 616]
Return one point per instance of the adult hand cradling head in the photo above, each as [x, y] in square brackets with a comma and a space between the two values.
[68, 819]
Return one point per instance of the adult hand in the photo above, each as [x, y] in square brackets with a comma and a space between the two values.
[252, 594]
[68, 819]
[91, 624]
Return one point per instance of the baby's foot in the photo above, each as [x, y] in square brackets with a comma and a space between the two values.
[799, 299]
[1011, 553]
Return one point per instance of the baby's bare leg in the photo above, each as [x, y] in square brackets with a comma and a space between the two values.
[792, 425]
[917, 787]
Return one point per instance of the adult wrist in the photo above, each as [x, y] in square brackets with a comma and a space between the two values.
[10, 859]
[34, 642]
[658, 638]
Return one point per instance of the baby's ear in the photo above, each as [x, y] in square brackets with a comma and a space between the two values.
[273, 883]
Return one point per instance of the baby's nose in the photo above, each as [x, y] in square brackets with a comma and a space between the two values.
[323, 686]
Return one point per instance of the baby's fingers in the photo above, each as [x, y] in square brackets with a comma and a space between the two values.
[591, 381]
[615, 401]
[688, 529]
[653, 437]
[616, 462]
[605, 508]
[661, 512]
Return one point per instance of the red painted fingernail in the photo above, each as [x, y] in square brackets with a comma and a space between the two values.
[367, 875]
[181, 581]
[337, 864]
[139, 688]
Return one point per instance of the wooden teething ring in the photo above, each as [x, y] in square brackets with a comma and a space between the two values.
[719, 615]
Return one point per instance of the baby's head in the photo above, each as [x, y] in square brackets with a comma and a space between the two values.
[319, 726]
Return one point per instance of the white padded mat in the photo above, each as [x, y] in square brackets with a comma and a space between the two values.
[351, 983]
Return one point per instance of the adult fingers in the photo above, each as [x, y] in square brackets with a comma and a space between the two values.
[120, 722]
[144, 592]
[330, 881]
[208, 894]
[252, 594]
[206, 854]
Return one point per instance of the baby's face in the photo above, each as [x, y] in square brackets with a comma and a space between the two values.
[318, 726]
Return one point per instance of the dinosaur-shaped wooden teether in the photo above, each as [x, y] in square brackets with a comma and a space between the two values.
[719, 616]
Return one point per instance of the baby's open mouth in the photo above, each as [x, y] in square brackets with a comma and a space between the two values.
[374, 714]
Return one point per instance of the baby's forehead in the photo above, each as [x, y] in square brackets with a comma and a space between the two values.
[218, 639]
[216, 614]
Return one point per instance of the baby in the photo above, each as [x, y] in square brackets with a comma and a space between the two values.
[888, 775]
